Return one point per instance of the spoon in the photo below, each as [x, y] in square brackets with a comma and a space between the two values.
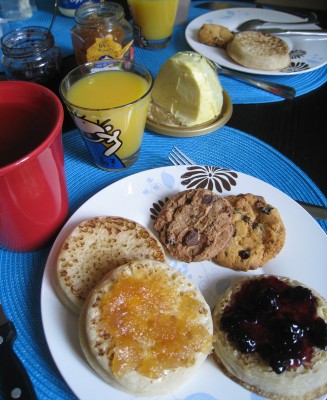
[273, 87]
[255, 23]
[54, 15]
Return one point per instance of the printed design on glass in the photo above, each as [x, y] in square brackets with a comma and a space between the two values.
[199, 177]
[102, 140]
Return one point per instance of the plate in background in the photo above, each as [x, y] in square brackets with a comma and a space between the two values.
[307, 53]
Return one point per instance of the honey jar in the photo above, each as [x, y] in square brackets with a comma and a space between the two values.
[102, 32]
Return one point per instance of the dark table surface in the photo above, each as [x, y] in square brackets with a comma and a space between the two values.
[296, 128]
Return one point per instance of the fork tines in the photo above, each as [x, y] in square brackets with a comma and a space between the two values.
[177, 157]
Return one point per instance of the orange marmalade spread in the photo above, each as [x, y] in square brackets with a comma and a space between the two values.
[154, 324]
[101, 32]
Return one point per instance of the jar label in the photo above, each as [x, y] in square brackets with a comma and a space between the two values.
[106, 47]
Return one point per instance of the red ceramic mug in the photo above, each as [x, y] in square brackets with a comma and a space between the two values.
[33, 191]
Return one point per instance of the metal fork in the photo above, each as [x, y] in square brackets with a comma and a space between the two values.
[177, 157]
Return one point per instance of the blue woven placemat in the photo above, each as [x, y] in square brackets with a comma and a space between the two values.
[239, 92]
[21, 273]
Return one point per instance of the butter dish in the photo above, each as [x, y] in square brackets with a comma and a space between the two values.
[196, 130]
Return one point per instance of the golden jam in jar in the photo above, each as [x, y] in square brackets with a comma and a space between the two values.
[101, 32]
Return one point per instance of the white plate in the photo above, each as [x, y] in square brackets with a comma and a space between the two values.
[307, 53]
[136, 197]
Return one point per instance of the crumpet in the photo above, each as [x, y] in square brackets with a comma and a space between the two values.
[271, 337]
[96, 246]
[259, 50]
[146, 328]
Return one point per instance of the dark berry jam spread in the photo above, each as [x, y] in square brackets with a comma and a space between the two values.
[276, 320]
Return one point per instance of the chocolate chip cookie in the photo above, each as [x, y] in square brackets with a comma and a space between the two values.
[194, 225]
[215, 35]
[259, 233]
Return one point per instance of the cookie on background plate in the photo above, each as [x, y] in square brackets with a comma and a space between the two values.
[195, 224]
[215, 35]
[271, 337]
[146, 328]
[93, 248]
[259, 233]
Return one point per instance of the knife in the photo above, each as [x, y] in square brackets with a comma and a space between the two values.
[303, 32]
[214, 5]
[17, 384]
[318, 212]
[217, 5]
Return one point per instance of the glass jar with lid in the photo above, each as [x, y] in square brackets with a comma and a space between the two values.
[30, 54]
[101, 32]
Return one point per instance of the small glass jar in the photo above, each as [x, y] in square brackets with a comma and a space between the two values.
[30, 54]
[101, 32]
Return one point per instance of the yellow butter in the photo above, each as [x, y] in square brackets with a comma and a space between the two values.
[187, 87]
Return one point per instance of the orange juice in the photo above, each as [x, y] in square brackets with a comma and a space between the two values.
[154, 17]
[110, 108]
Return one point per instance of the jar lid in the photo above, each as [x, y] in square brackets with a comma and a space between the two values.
[95, 14]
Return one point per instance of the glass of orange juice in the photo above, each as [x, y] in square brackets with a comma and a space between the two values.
[108, 101]
[153, 22]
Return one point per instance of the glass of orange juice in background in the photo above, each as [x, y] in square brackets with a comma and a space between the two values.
[153, 22]
[108, 101]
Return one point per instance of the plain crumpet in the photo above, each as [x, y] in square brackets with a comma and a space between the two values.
[146, 328]
[94, 247]
[259, 50]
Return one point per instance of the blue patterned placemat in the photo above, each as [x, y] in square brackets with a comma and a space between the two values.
[21, 273]
[239, 92]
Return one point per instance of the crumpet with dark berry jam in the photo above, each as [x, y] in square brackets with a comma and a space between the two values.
[271, 337]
